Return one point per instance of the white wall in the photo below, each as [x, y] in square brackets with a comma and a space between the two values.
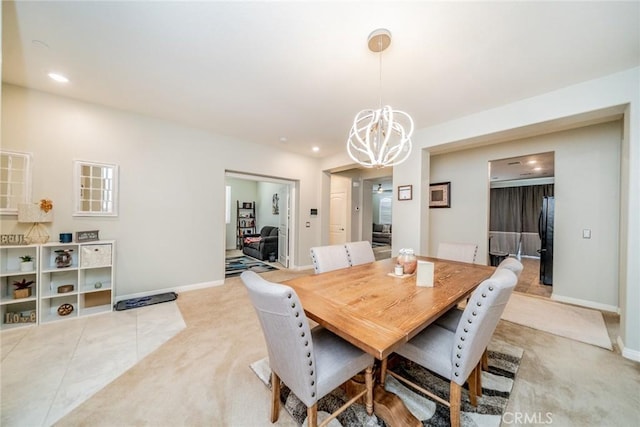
[264, 211]
[587, 165]
[171, 226]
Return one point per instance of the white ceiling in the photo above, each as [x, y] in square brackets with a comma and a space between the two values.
[263, 71]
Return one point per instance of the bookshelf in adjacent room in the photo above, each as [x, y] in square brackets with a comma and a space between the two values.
[245, 221]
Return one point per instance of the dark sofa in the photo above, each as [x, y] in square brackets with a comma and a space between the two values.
[381, 234]
[261, 245]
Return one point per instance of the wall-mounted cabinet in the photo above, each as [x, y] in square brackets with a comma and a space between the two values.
[70, 280]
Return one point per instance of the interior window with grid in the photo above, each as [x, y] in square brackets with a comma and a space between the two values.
[14, 180]
[96, 188]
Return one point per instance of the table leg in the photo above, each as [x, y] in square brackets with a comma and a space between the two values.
[386, 405]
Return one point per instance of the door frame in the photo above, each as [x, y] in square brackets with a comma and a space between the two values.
[293, 191]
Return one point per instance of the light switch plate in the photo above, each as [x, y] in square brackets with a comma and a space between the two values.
[586, 233]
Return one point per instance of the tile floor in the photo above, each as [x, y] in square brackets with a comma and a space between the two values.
[48, 370]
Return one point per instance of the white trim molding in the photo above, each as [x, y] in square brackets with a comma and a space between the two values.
[626, 352]
[585, 303]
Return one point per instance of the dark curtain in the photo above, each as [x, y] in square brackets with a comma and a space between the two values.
[516, 209]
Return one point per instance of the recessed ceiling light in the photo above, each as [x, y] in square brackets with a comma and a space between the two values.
[315, 149]
[58, 77]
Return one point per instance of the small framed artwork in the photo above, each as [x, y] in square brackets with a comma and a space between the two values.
[405, 192]
[86, 236]
[440, 195]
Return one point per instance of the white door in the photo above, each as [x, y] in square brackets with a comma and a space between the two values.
[338, 209]
[283, 227]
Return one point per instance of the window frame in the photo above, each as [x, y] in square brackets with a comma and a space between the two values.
[109, 207]
[6, 190]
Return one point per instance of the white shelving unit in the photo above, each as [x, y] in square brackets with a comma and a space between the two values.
[19, 312]
[90, 272]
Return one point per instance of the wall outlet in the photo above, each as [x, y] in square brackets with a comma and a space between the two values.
[586, 233]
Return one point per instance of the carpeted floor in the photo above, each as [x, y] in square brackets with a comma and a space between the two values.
[381, 251]
[504, 360]
[576, 323]
[234, 266]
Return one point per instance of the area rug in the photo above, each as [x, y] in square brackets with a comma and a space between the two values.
[236, 265]
[576, 323]
[504, 360]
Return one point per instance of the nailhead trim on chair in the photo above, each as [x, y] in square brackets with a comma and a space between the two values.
[306, 344]
[466, 331]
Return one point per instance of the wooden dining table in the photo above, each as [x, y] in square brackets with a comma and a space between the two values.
[377, 311]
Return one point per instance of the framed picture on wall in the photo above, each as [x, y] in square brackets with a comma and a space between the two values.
[405, 192]
[440, 195]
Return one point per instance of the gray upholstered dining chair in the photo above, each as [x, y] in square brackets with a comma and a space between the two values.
[311, 363]
[513, 265]
[329, 258]
[359, 252]
[455, 355]
[451, 318]
[463, 252]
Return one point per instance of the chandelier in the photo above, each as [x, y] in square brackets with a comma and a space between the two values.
[381, 137]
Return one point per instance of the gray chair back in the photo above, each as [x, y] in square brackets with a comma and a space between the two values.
[463, 252]
[359, 252]
[479, 321]
[287, 334]
[329, 258]
[511, 264]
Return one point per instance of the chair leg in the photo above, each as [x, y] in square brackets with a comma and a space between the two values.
[455, 392]
[383, 371]
[275, 397]
[368, 379]
[473, 386]
[485, 361]
[479, 380]
[312, 415]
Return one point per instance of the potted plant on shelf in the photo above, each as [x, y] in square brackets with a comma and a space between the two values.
[27, 263]
[23, 289]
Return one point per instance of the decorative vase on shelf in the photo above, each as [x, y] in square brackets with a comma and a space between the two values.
[26, 266]
[407, 259]
[63, 259]
[22, 293]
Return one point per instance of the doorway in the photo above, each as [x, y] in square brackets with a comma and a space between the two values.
[521, 190]
[354, 206]
[274, 201]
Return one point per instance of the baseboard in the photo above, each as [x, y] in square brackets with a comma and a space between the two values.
[628, 353]
[177, 290]
[585, 303]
